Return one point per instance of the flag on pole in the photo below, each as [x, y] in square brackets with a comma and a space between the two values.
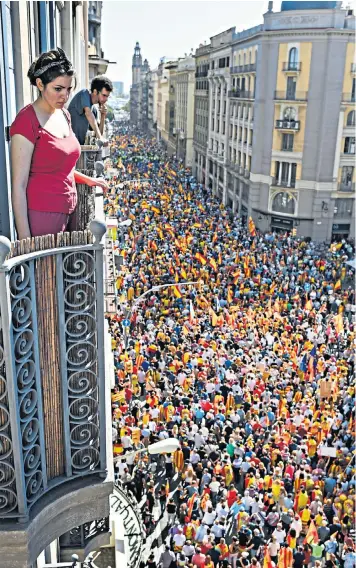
[177, 292]
[312, 535]
[251, 227]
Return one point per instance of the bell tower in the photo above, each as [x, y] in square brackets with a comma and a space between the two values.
[136, 64]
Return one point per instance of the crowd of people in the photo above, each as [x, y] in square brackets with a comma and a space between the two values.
[250, 367]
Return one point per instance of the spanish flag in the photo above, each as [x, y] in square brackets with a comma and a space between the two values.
[214, 318]
[339, 324]
[156, 210]
[201, 258]
[213, 264]
[183, 273]
[185, 358]
[337, 285]
[177, 292]
[230, 295]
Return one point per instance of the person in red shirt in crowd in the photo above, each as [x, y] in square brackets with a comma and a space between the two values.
[44, 152]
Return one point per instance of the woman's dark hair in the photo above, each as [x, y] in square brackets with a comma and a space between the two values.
[101, 82]
[50, 65]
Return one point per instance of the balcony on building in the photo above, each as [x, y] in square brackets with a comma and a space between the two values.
[297, 96]
[94, 18]
[285, 174]
[349, 97]
[292, 67]
[346, 187]
[237, 94]
[288, 125]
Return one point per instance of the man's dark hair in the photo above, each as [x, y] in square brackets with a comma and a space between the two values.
[101, 82]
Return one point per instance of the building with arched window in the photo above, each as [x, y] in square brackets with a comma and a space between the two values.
[281, 144]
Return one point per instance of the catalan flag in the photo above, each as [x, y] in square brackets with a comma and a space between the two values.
[251, 227]
[312, 536]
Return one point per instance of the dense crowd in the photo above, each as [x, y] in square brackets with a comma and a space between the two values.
[251, 368]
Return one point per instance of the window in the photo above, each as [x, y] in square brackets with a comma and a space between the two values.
[349, 147]
[212, 64]
[293, 58]
[290, 114]
[223, 127]
[284, 202]
[350, 121]
[343, 208]
[286, 174]
[346, 178]
[353, 90]
[287, 142]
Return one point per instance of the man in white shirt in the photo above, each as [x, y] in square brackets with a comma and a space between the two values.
[179, 539]
[279, 533]
[209, 517]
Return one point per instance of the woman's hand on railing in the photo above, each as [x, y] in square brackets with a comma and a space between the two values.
[103, 184]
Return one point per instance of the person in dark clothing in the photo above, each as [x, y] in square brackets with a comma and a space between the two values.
[299, 558]
[150, 499]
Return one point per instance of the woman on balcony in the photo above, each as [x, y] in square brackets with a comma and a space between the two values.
[44, 152]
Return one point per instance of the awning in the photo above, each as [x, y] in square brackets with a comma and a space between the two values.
[351, 263]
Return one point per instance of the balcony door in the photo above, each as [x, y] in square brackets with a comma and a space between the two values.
[291, 88]
[293, 59]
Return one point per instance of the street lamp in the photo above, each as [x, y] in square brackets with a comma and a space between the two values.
[167, 446]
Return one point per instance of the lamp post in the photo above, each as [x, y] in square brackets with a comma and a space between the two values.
[138, 300]
[167, 446]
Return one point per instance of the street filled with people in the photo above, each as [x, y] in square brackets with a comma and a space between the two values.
[240, 345]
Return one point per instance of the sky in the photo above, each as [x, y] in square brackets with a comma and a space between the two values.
[169, 28]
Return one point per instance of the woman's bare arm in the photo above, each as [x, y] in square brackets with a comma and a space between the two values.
[21, 157]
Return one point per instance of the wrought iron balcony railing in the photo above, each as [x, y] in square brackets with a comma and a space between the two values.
[237, 94]
[52, 378]
[291, 96]
[292, 66]
[288, 124]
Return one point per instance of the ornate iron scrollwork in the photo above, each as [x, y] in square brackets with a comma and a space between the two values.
[23, 335]
[79, 297]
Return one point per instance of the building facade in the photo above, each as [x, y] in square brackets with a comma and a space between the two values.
[152, 101]
[139, 89]
[281, 121]
[201, 112]
[184, 100]
[163, 111]
[97, 63]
